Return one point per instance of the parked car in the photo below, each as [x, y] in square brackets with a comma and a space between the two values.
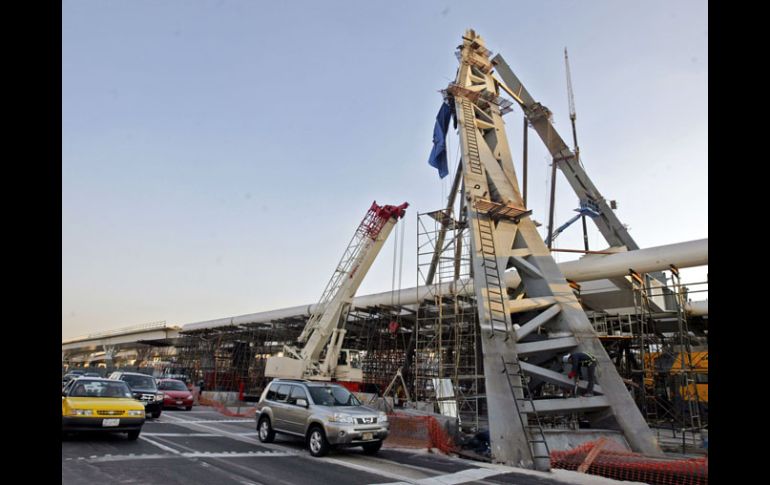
[96, 404]
[325, 415]
[175, 394]
[92, 374]
[143, 389]
[68, 377]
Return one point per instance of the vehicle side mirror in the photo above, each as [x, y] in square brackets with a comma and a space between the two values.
[302, 402]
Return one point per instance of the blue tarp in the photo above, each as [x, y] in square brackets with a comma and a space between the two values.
[438, 154]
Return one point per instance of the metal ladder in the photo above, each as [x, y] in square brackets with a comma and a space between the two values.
[495, 296]
[474, 159]
[538, 447]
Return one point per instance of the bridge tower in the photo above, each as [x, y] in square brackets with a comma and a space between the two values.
[544, 305]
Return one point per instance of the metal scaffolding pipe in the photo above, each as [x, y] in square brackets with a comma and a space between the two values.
[591, 267]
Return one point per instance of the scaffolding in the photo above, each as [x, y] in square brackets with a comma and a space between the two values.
[447, 367]
[662, 354]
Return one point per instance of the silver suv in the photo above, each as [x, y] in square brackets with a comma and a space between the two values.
[325, 415]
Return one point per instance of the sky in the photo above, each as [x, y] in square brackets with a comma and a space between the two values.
[218, 155]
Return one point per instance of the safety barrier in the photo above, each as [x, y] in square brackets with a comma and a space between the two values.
[249, 412]
[601, 458]
[409, 431]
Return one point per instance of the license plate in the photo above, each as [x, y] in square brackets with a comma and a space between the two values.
[110, 422]
[366, 436]
[179, 402]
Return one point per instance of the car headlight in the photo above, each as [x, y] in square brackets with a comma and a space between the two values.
[136, 412]
[81, 412]
[189, 398]
[159, 396]
[382, 418]
[341, 418]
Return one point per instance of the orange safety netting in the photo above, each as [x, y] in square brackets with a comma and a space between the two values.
[248, 412]
[408, 431]
[598, 458]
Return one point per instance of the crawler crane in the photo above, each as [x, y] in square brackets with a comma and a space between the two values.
[318, 354]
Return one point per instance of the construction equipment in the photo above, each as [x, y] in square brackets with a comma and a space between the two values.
[322, 356]
[586, 208]
[503, 236]
[572, 111]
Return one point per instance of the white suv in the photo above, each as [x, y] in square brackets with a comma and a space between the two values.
[325, 415]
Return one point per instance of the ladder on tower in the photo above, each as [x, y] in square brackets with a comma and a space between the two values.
[538, 447]
[495, 301]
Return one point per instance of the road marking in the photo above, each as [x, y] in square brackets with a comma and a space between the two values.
[197, 454]
[226, 434]
[464, 476]
[159, 445]
[368, 469]
[401, 479]
[202, 421]
[195, 435]
[198, 435]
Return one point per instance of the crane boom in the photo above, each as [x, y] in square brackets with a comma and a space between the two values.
[324, 329]
[571, 99]
[570, 94]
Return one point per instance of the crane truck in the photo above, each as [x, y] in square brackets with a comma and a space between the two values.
[318, 352]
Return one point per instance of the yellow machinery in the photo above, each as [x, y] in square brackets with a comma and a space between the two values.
[676, 364]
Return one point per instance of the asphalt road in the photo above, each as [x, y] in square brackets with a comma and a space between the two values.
[203, 447]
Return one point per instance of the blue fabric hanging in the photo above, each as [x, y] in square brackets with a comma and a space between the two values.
[438, 154]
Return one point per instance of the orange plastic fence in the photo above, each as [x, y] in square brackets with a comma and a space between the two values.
[248, 413]
[408, 431]
[623, 465]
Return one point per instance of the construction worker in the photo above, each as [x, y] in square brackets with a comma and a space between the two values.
[582, 360]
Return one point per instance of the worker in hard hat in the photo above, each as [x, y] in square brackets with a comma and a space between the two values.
[582, 360]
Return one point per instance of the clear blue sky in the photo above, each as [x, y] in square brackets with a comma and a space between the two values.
[217, 155]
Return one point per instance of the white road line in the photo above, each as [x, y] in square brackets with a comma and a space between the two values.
[195, 435]
[197, 454]
[364, 468]
[369, 469]
[160, 445]
[470, 475]
[202, 421]
[228, 434]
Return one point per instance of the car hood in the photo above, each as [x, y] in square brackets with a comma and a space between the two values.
[353, 410]
[104, 403]
[177, 394]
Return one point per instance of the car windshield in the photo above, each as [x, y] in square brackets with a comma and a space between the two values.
[85, 388]
[172, 386]
[333, 396]
[139, 382]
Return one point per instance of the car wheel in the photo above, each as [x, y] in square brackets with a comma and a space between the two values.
[188, 408]
[133, 435]
[265, 430]
[316, 442]
[156, 415]
[372, 448]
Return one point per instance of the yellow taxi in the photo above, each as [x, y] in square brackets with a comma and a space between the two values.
[95, 404]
